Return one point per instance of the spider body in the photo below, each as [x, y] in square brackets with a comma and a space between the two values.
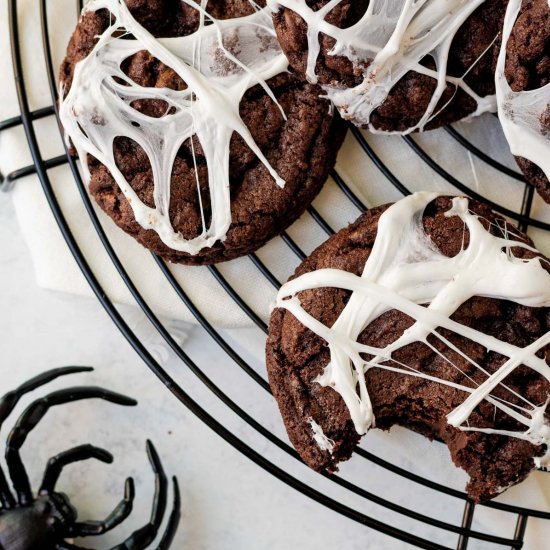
[38, 525]
[45, 521]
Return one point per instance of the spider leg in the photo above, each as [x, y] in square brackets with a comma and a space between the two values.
[173, 520]
[10, 399]
[58, 462]
[144, 536]
[116, 517]
[8, 403]
[6, 498]
[32, 415]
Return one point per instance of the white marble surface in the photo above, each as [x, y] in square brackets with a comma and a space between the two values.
[228, 502]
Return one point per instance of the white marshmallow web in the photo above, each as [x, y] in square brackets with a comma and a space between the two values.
[324, 442]
[406, 272]
[396, 35]
[522, 114]
[218, 63]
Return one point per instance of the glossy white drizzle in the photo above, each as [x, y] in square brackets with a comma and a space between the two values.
[405, 270]
[396, 35]
[324, 442]
[219, 63]
[521, 113]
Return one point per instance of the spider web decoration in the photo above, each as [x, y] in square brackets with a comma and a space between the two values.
[525, 115]
[396, 36]
[405, 270]
[218, 63]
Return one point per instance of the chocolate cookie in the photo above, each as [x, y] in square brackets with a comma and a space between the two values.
[385, 95]
[359, 304]
[528, 68]
[174, 159]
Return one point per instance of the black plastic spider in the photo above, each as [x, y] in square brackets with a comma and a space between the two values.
[44, 522]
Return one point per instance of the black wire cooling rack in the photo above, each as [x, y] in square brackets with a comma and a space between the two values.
[460, 534]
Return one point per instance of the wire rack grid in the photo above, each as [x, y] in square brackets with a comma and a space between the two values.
[455, 534]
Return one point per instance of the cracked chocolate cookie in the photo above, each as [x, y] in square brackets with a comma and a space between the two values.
[396, 67]
[196, 139]
[431, 314]
[527, 69]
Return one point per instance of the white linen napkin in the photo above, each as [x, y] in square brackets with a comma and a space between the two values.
[55, 268]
